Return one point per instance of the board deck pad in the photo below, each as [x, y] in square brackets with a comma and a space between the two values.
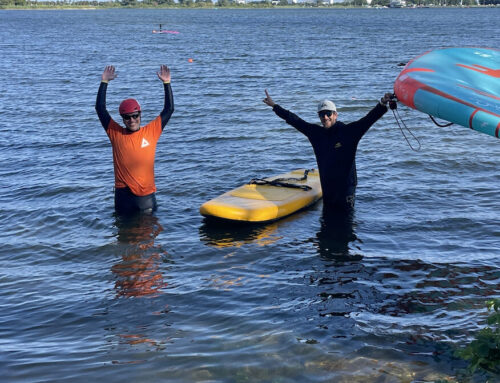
[264, 192]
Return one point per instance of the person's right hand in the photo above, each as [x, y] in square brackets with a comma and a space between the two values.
[268, 100]
[108, 74]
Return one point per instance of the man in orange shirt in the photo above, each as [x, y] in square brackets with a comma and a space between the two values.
[134, 146]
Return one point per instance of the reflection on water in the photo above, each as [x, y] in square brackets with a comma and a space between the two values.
[138, 273]
[226, 234]
[335, 234]
[339, 286]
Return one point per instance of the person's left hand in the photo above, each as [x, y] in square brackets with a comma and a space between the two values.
[164, 73]
[387, 97]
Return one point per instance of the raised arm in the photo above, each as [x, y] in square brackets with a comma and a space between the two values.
[290, 118]
[168, 107]
[361, 126]
[100, 104]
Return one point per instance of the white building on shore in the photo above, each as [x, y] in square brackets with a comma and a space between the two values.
[397, 3]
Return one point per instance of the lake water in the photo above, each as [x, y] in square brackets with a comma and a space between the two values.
[88, 297]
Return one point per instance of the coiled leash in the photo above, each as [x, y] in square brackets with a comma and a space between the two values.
[393, 105]
[283, 182]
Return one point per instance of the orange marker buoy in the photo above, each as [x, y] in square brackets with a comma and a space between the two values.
[190, 60]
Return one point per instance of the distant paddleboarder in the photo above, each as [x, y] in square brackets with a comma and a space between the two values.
[335, 145]
[134, 146]
[164, 31]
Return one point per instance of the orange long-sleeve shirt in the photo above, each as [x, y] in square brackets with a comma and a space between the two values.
[134, 156]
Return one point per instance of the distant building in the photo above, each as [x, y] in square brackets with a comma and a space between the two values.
[397, 3]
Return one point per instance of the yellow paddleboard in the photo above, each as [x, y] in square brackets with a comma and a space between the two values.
[267, 199]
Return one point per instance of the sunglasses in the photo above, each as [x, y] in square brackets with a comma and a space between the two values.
[127, 117]
[324, 113]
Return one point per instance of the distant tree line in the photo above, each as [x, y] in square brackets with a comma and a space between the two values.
[226, 3]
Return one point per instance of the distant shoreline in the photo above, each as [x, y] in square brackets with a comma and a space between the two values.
[59, 7]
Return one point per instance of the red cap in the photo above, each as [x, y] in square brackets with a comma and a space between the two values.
[129, 106]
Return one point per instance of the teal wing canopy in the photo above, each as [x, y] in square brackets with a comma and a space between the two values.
[460, 85]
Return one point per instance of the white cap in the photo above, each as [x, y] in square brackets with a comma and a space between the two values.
[327, 105]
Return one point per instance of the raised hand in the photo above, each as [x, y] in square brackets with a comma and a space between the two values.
[387, 97]
[164, 73]
[109, 73]
[268, 100]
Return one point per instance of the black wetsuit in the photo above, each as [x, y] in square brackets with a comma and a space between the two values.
[335, 150]
[126, 202]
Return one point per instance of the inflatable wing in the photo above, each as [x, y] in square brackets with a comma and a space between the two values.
[460, 85]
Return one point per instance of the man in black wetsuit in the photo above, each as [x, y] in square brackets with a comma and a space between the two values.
[335, 145]
[134, 146]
